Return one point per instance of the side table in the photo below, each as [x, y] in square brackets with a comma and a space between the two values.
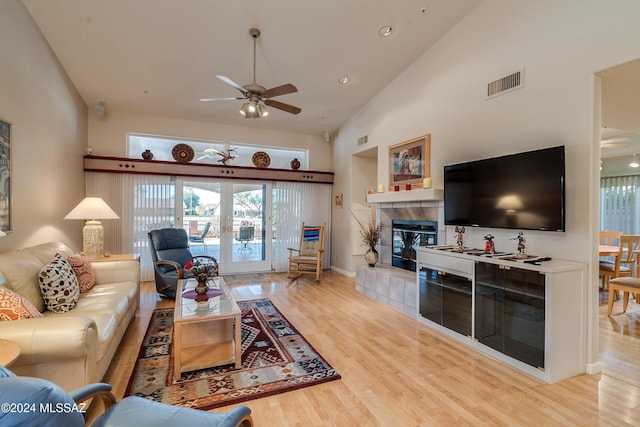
[9, 352]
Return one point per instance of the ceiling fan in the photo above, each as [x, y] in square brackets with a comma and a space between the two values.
[256, 94]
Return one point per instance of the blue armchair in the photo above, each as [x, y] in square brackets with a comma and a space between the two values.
[31, 401]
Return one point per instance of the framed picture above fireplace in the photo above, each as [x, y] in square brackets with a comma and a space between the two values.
[409, 162]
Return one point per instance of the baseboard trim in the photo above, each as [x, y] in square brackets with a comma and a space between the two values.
[343, 272]
[593, 368]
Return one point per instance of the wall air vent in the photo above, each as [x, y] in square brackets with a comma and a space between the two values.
[363, 140]
[505, 84]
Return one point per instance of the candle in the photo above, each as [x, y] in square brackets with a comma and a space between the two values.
[396, 187]
[426, 183]
[407, 186]
[381, 188]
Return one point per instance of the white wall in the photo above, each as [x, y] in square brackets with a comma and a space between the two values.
[560, 44]
[49, 132]
[107, 135]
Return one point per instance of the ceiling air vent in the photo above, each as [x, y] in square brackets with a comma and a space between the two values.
[505, 84]
[363, 140]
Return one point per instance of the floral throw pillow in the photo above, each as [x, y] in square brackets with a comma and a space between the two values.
[84, 272]
[59, 286]
[15, 307]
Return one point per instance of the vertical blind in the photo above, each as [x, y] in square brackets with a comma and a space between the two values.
[620, 204]
[145, 202]
[293, 203]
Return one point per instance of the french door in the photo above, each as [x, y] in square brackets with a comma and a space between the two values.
[230, 220]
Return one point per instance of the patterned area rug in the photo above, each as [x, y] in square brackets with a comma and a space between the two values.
[275, 359]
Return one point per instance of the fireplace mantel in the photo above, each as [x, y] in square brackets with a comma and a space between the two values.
[418, 195]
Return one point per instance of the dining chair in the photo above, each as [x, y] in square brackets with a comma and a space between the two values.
[610, 238]
[627, 285]
[607, 265]
[625, 263]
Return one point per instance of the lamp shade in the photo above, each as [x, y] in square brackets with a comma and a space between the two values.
[92, 208]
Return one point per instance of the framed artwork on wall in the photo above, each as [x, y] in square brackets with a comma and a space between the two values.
[409, 162]
[5, 175]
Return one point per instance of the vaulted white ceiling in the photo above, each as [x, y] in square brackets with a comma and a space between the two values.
[159, 57]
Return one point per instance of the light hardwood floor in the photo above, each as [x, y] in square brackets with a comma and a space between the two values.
[398, 372]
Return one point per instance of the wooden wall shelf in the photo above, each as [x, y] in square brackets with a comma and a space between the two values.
[201, 170]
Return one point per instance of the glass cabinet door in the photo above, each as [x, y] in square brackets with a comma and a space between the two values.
[446, 299]
[456, 303]
[510, 311]
[430, 301]
[524, 316]
[489, 303]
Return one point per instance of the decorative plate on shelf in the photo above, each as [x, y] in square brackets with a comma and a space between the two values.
[261, 159]
[182, 153]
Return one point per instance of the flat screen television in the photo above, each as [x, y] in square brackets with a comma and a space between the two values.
[516, 191]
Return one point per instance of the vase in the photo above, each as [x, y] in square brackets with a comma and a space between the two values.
[371, 256]
[295, 164]
[147, 155]
[202, 301]
[201, 287]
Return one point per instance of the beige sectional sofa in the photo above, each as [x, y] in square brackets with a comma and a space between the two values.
[76, 347]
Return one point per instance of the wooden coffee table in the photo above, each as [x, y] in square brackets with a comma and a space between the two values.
[205, 334]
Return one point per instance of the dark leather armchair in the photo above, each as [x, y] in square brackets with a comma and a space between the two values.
[67, 409]
[170, 253]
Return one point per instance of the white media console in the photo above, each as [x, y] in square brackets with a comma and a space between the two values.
[532, 317]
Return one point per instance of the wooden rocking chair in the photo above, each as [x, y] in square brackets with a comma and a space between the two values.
[307, 259]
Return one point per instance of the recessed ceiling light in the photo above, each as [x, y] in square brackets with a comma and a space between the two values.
[385, 31]
[344, 80]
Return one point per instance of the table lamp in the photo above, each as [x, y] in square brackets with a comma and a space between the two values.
[92, 209]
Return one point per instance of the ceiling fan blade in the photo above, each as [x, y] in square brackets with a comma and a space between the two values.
[230, 82]
[218, 99]
[282, 106]
[279, 90]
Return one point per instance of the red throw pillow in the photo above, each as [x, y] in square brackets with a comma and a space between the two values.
[15, 307]
[84, 272]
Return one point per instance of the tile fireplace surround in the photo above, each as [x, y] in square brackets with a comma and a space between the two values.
[391, 285]
[421, 205]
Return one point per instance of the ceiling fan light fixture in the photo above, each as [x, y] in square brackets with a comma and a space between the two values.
[254, 93]
[634, 163]
[252, 110]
